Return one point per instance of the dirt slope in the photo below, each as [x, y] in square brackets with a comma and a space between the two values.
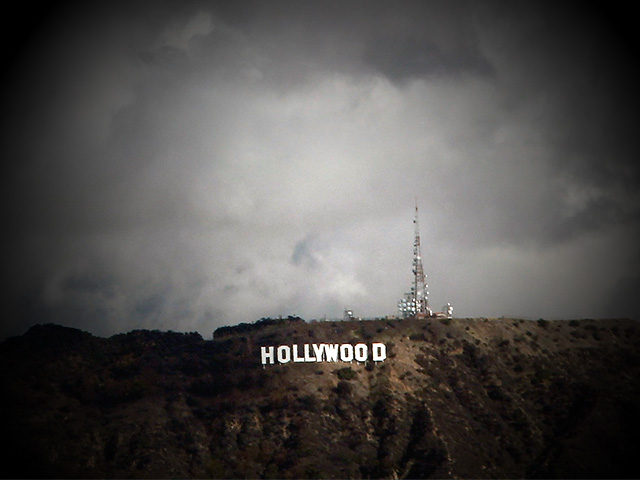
[461, 398]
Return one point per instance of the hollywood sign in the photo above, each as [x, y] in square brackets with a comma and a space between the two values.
[323, 352]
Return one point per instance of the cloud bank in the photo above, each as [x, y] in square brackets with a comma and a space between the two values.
[189, 165]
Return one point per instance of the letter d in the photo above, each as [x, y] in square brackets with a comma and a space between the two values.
[379, 352]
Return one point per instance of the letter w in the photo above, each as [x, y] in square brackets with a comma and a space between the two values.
[331, 352]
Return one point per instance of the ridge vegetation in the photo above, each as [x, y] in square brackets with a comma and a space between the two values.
[454, 398]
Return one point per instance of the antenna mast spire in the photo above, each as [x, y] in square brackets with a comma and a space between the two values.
[416, 302]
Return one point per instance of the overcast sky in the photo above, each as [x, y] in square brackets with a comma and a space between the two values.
[187, 165]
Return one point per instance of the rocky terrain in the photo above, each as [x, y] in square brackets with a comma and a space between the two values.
[454, 398]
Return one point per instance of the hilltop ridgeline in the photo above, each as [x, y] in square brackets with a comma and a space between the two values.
[453, 398]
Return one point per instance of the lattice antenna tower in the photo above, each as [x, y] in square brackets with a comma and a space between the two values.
[420, 291]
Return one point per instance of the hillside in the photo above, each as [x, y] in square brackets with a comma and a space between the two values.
[454, 398]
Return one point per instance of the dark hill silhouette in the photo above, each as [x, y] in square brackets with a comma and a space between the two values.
[454, 398]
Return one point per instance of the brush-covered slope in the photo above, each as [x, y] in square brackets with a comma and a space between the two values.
[458, 398]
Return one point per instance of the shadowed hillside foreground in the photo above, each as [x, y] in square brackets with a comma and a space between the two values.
[454, 398]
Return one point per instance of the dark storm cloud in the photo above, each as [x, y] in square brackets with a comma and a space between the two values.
[623, 301]
[409, 57]
[187, 165]
[292, 40]
[303, 253]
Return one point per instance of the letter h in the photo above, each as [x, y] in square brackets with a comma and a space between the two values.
[267, 355]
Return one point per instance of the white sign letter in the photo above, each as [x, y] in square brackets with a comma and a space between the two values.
[379, 351]
[331, 352]
[346, 352]
[266, 355]
[317, 349]
[296, 358]
[307, 354]
[284, 354]
[360, 352]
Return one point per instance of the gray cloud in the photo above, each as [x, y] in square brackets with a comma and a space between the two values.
[192, 165]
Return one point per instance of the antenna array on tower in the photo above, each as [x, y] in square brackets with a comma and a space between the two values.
[416, 301]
